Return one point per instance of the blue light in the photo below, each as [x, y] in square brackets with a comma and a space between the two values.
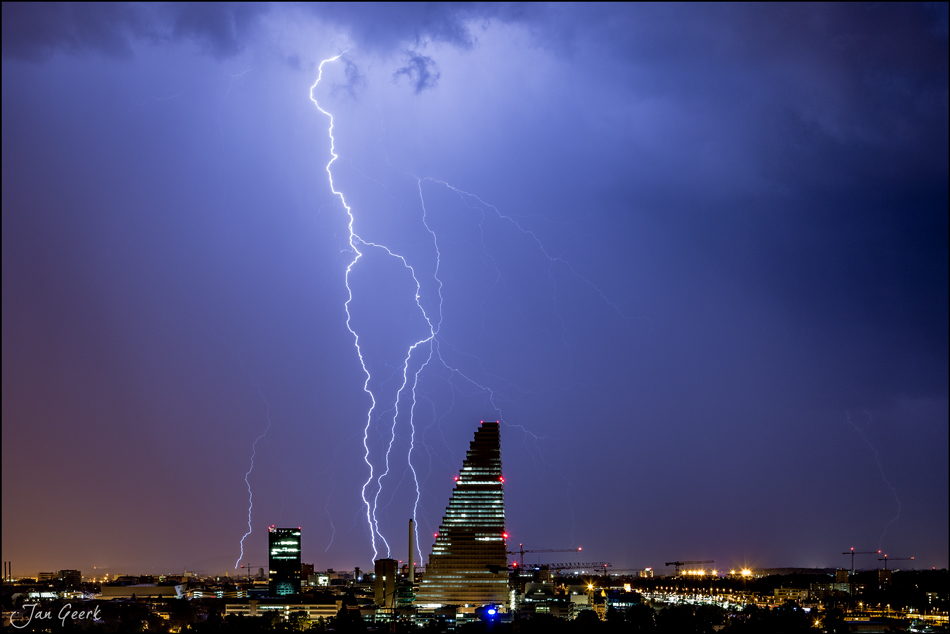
[491, 611]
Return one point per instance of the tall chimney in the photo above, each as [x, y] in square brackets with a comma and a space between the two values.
[412, 548]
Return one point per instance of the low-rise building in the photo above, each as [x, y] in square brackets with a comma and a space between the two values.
[791, 594]
[312, 611]
[142, 591]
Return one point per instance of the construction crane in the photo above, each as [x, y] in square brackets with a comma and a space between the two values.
[854, 552]
[677, 564]
[578, 564]
[885, 559]
[521, 551]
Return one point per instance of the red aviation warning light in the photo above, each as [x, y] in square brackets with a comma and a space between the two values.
[501, 479]
[505, 535]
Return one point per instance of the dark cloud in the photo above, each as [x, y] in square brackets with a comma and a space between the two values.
[760, 189]
[35, 31]
[220, 29]
[354, 78]
[421, 70]
[387, 26]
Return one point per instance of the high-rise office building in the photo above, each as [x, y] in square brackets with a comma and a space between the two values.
[385, 586]
[284, 559]
[469, 561]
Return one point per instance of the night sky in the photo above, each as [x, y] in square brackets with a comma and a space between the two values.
[694, 257]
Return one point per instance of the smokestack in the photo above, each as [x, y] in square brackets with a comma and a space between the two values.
[412, 549]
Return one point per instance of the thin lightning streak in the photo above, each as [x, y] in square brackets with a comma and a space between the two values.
[250, 494]
[537, 240]
[435, 350]
[877, 459]
[233, 77]
[228, 92]
[490, 392]
[326, 507]
[392, 437]
[412, 445]
[175, 96]
[439, 282]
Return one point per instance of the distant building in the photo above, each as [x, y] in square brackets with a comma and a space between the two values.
[284, 560]
[468, 564]
[385, 595]
[825, 590]
[70, 577]
[306, 571]
[285, 609]
[66, 577]
[791, 594]
[141, 591]
[884, 577]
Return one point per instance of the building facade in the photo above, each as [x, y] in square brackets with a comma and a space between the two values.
[284, 609]
[385, 587]
[284, 560]
[469, 560]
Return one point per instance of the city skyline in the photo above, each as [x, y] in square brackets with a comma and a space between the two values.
[693, 259]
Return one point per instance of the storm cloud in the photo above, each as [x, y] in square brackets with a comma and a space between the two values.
[694, 257]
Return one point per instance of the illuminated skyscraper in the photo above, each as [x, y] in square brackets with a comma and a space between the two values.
[468, 565]
[284, 549]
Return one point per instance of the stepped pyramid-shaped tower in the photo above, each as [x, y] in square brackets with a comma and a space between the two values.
[469, 561]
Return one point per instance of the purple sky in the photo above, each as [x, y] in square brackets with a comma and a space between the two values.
[694, 257]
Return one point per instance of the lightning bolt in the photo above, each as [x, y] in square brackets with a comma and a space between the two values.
[250, 494]
[355, 241]
[880, 468]
[247, 481]
[427, 350]
[551, 258]
[352, 240]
